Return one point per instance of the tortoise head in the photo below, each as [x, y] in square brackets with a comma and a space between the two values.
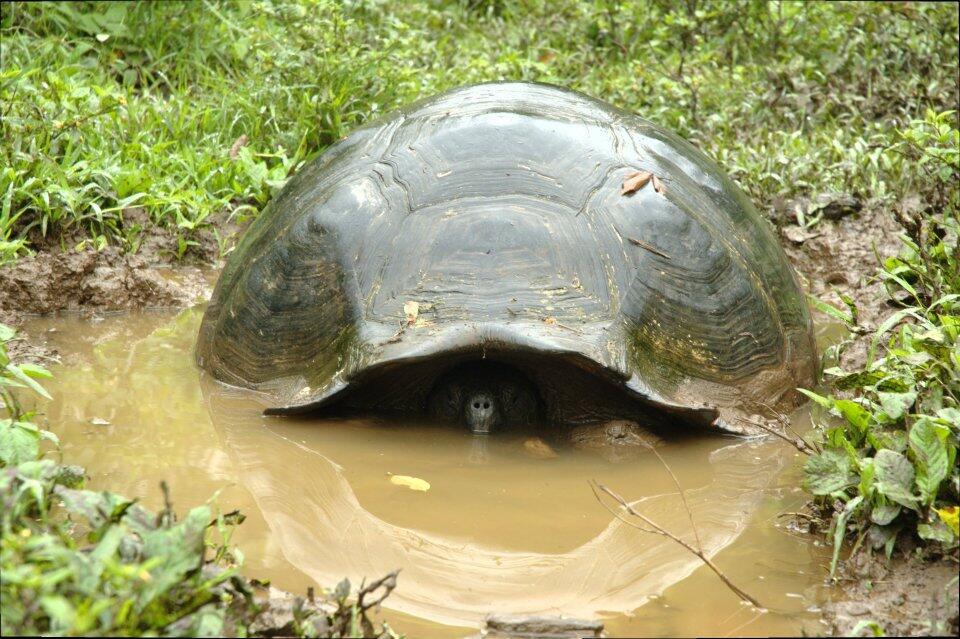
[481, 411]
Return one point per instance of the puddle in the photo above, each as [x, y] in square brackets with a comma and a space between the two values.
[498, 531]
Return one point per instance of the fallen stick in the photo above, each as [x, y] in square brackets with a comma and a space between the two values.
[657, 529]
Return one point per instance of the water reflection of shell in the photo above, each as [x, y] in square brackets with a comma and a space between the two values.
[325, 532]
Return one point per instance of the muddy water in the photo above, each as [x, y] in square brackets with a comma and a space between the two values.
[498, 530]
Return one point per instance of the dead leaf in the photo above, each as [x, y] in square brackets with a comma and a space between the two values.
[549, 320]
[536, 447]
[658, 185]
[411, 309]
[237, 145]
[635, 181]
[413, 483]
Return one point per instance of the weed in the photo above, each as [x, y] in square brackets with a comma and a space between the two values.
[888, 467]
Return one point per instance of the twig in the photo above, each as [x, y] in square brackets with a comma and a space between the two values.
[662, 531]
[799, 514]
[387, 582]
[650, 247]
[683, 496]
[785, 421]
[798, 443]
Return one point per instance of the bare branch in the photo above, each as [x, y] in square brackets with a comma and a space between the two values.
[797, 443]
[662, 531]
[683, 496]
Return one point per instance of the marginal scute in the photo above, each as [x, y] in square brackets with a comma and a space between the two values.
[497, 210]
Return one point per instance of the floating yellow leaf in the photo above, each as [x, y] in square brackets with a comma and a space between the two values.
[950, 516]
[413, 483]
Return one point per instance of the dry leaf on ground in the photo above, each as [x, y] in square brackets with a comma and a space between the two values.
[237, 145]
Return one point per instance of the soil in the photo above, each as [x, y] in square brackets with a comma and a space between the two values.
[840, 256]
[905, 596]
[59, 279]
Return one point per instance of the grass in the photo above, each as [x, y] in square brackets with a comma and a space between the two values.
[112, 106]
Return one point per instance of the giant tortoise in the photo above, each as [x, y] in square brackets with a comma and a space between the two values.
[513, 253]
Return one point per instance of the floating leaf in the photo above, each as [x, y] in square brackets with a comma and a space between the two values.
[635, 181]
[413, 483]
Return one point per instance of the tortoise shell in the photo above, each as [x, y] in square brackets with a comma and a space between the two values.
[507, 221]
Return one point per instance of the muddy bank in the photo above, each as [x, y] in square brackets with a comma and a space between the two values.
[57, 278]
[906, 597]
[840, 255]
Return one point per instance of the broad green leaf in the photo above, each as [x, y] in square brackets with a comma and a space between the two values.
[937, 531]
[831, 310]
[37, 372]
[927, 439]
[826, 402]
[207, 622]
[28, 380]
[894, 477]
[6, 333]
[179, 549]
[828, 472]
[18, 443]
[61, 611]
[868, 624]
[896, 404]
[883, 514]
[855, 414]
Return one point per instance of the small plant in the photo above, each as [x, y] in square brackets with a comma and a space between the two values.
[888, 465]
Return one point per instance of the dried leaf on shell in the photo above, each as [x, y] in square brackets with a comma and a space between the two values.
[411, 310]
[635, 181]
